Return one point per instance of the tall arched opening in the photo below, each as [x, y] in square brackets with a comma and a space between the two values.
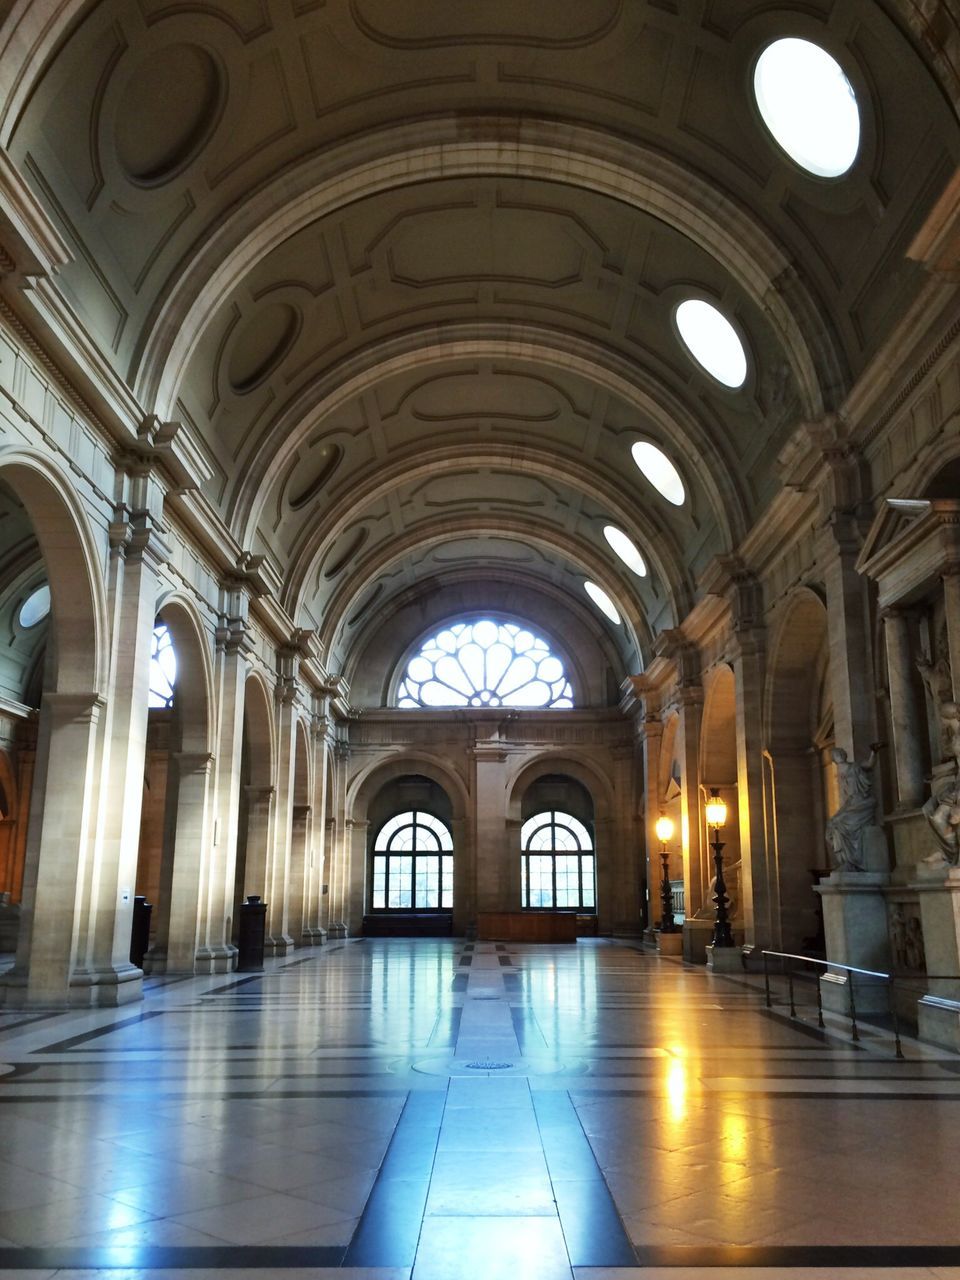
[799, 777]
[174, 842]
[255, 824]
[410, 860]
[718, 772]
[53, 863]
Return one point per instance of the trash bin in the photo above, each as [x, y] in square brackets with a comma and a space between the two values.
[253, 928]
[140, 930]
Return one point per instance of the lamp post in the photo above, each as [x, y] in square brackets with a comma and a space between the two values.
[664, 829]
[716, 817]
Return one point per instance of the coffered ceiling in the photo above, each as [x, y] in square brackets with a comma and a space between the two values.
[408, 272]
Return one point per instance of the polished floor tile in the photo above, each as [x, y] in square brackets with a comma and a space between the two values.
[379, 1110]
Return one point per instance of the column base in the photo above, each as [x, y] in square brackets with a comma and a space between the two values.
[279, 945]
[313, 936]
[219, 959]
[337, 929]
[670, 944]
[938, 1021]
[870, 995]
[724, 959]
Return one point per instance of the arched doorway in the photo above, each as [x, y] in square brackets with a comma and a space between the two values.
[410, 863]
[255, 823]
[557, 848]
[174, 818]
[56, 866]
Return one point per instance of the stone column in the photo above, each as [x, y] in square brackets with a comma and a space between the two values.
[259, 837]
[356, 874]
[696, 880]
[489, 820]
[757, 877]
[340, 868]
[216, 951]
[938, 1011]
[300, 828]
[62, 821]
[137, 553]
[849, 637]
[855, 926]
[951, 603]
[907, 745]
[189, 868]
[650, 730]
[278, 940]
[316, 855]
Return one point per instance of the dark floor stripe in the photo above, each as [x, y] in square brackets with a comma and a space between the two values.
[172, 1257]
[592, 1229]
[389, 1230]
[61, 1046]
[799, 1255]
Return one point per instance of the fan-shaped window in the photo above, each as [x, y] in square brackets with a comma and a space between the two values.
[413, 864]
[557, 863]
[163, 668]
[809, 106]
[35, 608]
[485, 664]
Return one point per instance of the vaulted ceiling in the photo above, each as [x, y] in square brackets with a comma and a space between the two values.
[408, 274]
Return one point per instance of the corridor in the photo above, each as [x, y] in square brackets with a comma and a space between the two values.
[441, 1110]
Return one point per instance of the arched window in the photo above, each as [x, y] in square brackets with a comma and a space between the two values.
[485, 664]
[163, 668]
[413, 864]
[557, 868]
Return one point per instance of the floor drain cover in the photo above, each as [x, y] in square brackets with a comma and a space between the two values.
[489, 1066]
[484, 997]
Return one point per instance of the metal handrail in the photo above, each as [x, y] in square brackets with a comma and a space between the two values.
[833, 964]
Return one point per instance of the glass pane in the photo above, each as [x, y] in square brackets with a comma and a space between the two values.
[586, 872]
[541, 880]
[446, 900]
[523, 881]
[390, 826]
[485, 664]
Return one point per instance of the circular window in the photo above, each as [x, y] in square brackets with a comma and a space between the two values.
[657, 468]
[809, 106]
[712, 341]
[35, 608]
[625, 549]
[602, 601]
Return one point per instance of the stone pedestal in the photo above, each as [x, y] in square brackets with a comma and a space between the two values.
[696, 935]
[938, 1012]
[670, 944]
[724, 959]
[855, 927]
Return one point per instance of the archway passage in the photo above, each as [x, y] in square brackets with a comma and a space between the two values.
[411, 861]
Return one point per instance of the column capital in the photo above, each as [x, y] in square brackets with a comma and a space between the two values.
[192, 761]
[137, 535]
[74, 706]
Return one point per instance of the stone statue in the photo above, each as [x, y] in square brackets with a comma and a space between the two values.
[942, 811]
[857, 813]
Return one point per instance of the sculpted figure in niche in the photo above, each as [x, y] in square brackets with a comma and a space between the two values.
[857, 813]
[942, 811]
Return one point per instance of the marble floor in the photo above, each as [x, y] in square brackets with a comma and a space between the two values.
[441, 1110]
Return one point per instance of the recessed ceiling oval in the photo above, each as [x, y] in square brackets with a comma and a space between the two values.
[169, 108]
[659, 471]
[809, 105]
[625, 549]
[602, 601]
[712, 341]
[325, 460]
[35, 608]
[350, 546]
[261, 344]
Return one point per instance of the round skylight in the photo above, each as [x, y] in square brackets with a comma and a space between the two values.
[35, 608]
[625, 549]
[712, 341]
[602, 601]
[660, 472]
[809, 106]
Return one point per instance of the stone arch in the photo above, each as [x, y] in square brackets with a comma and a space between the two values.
[416, 768]
[63, 828]
[718, 768]
[255, 820]
[185, 853]
[798, 773]
[578, 766]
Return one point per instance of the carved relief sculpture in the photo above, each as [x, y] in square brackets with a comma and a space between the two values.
[847, 828]
[942, 811]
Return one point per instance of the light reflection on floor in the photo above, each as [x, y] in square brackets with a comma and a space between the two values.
[584, 1109]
